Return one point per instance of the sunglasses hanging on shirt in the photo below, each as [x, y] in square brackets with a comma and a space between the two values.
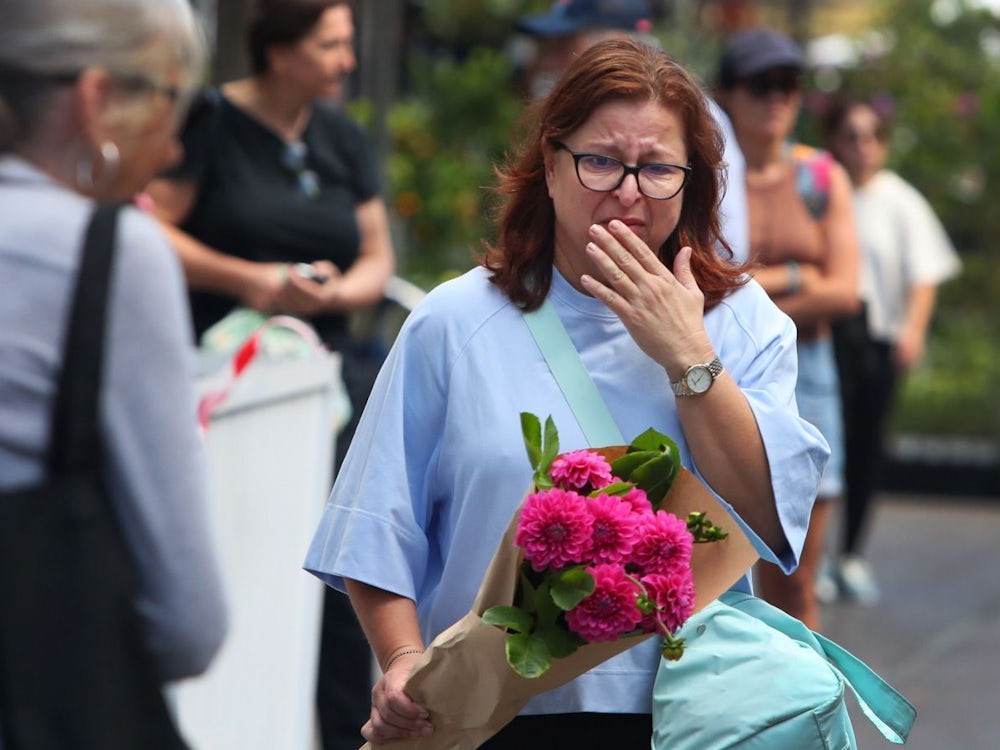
[294, 159]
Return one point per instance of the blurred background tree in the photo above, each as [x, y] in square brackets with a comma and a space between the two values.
[934, 65]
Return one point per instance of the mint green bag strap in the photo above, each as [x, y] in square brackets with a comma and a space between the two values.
[889, 711]
[578, 387]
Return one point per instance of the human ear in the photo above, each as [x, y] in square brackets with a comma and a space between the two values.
[93, 92]
[548, 155]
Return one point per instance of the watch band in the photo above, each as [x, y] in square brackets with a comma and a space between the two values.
[681, 387]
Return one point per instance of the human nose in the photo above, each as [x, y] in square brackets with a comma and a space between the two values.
[628, 191]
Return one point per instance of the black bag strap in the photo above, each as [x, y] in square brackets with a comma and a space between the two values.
[75, 443]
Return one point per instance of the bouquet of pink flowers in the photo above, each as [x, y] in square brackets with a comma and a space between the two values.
[601, 561]
[595, 561]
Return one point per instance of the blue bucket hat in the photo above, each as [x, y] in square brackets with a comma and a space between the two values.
[570, 16]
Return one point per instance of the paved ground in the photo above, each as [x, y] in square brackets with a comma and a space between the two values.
[935, 636]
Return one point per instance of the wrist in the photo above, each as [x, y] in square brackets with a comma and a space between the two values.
[399, 653]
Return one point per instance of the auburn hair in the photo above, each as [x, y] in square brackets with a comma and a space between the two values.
[520, 259]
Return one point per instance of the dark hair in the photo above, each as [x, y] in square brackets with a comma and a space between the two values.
[615, 70]
[840, 108]
[282, 22]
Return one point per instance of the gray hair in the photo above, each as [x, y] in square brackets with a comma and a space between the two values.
[43, 41]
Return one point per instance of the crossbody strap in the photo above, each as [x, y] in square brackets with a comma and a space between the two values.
[889, 711]
[75, 441]
[599, 428]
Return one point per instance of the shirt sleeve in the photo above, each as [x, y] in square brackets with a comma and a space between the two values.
[346, 141]
[796, 451]
[930, 255]
[157, 475]
[375, 526]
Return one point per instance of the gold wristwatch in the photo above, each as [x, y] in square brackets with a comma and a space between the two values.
[697, 379]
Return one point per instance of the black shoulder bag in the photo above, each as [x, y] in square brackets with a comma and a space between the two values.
[74, 673]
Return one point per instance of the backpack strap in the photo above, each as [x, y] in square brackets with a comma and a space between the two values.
[586, 402]
[889, 711]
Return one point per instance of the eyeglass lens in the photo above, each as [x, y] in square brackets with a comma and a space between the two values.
[605, 173]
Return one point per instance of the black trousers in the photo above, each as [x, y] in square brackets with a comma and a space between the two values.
[868, 379]
[585, 731]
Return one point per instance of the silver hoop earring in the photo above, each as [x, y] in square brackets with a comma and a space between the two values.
[92, 176]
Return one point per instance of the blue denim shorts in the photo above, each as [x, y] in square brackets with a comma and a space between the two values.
[818, 394]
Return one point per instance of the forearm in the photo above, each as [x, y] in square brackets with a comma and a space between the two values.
[919, 309]
[389, 620]
[206, 269]
[363, 283]
[806, 295]
[727, 448]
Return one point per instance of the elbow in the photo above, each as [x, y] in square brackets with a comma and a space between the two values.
[192, 645]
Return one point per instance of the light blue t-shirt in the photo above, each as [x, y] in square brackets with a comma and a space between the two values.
[438, 466]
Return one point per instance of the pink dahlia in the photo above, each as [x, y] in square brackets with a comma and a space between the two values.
[664, 545]
[610, 611]
[580, 470]
[615, 529]
[673, 596]
[637, 499]
[554, 529]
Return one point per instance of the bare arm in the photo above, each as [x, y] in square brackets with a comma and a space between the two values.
[912, 340]
[207, 269]
[361, 285]
[391, 626]
[829, 291]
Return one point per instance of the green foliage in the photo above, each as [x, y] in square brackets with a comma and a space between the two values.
[939, 77]
[445, 140]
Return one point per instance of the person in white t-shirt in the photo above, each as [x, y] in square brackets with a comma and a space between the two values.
[906, 254]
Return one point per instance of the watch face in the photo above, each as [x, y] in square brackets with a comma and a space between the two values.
[699, 379]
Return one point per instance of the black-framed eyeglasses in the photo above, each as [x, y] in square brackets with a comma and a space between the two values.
[784, 82]
[602, 174]
[293, 158]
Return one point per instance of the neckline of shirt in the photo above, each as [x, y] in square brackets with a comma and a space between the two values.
[566, 294]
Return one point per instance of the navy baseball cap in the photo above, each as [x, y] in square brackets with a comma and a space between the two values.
[753, 51]
[570, 16]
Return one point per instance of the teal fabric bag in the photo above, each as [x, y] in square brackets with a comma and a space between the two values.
[754, 678]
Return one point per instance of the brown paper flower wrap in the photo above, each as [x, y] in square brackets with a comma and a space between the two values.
[463, 679]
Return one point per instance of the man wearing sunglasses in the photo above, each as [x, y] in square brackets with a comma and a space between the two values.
[805, 252]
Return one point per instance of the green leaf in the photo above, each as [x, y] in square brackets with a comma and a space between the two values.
[651, 440]
[571, 586]
[550, 446]
[655, 477]
[509, 618]
[531, 428]
[541, 449]
[623, 466]
[528, 655]
[559, 641]
[545, 608]
[617, 488]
